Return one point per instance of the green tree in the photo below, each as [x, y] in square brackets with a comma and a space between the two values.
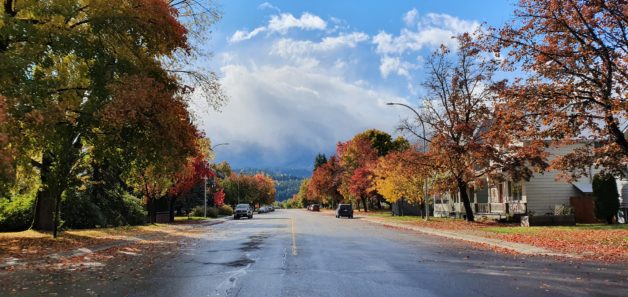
[606, 197]
[319, 160]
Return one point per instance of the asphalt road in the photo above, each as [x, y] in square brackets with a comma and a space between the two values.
[299, 253]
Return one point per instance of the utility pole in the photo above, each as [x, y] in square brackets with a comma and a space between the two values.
[425, 195]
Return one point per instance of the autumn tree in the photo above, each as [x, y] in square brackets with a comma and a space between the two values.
[468, 140]
[6, 155]
[219, 198]
[253, 189]
[356, 155]
[402, 175]
[303, 196]
[325, 182]
[572, 58]
[67, 66]
[383, 142]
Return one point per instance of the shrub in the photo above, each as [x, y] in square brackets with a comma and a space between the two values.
[16, 214]
[198, 211]
[212, 212]
[79, 212]
[225, 210]
[606, 197]
[135, 213]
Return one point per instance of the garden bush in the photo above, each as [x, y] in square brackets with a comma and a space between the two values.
[212, 212]
[198, 211]
[606, 197]
[16, 214]
[225, 210]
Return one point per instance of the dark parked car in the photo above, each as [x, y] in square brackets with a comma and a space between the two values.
[243, 210]
[344, 210]
[314, 207]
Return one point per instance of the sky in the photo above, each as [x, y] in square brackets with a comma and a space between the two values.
[303, 75]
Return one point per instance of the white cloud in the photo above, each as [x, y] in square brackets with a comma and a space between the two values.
[290, 48]
[410, 17]
[394, 65]
[242, 35]
[285, 114]
[431, 31]
[285, 21]
[267, 5]
[281, 24]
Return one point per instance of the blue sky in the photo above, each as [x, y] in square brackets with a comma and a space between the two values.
[303, 75]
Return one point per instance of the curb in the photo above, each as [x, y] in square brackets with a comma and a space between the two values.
[517, 247]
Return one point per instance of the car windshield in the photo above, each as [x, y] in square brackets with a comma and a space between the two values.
[242, 206]
[343, 207]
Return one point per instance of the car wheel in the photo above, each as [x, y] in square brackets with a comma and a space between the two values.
[351, 217]
[236, 218]
[250, 217]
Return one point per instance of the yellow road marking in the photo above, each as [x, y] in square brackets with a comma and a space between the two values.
[294, 239]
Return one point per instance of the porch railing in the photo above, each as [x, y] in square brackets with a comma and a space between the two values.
[490, 208]
[517, 207]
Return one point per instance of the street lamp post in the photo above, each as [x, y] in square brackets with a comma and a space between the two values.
[425, 195]
[205, 196]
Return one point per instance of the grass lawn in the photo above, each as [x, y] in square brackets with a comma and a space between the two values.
[191, 218]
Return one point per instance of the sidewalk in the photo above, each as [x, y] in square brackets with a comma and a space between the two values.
[127, 240]
[516, 247]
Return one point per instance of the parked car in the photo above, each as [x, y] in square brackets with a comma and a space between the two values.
[262, 209]
[344, 210]
[315, 207]
[271, 208]
[243, 210]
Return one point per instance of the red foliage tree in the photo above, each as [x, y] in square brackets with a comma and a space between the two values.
[326, 181]
[219, 198]
[355, 154]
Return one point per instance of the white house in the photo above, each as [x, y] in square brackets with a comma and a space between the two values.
[543, 194]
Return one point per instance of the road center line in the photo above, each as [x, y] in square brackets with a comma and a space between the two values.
[294, 239]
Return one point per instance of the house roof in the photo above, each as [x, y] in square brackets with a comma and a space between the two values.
[584, 187]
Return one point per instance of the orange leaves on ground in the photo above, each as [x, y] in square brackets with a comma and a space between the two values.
[605, 245]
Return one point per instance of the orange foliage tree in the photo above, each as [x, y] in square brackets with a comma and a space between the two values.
[356, 156]
[575, 73]
[325, 183]
[468, 138]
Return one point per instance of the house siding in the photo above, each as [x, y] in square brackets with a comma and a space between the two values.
[546, 190]
[622, 188]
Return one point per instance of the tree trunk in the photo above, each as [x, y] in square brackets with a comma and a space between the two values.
[150, 207]
[462, 187]
[364, 203]
[171, 208]
[43, 217]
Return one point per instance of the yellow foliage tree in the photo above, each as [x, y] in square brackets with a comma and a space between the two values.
[401, 175]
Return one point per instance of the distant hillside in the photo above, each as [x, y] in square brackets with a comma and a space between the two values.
[287, 181]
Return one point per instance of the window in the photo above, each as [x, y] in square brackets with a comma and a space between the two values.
[515, 191]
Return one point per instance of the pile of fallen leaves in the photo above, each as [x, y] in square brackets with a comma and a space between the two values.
[128, 254]
[604, 245]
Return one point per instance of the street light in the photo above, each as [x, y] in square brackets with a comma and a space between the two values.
[425, 196]
[205, 181]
